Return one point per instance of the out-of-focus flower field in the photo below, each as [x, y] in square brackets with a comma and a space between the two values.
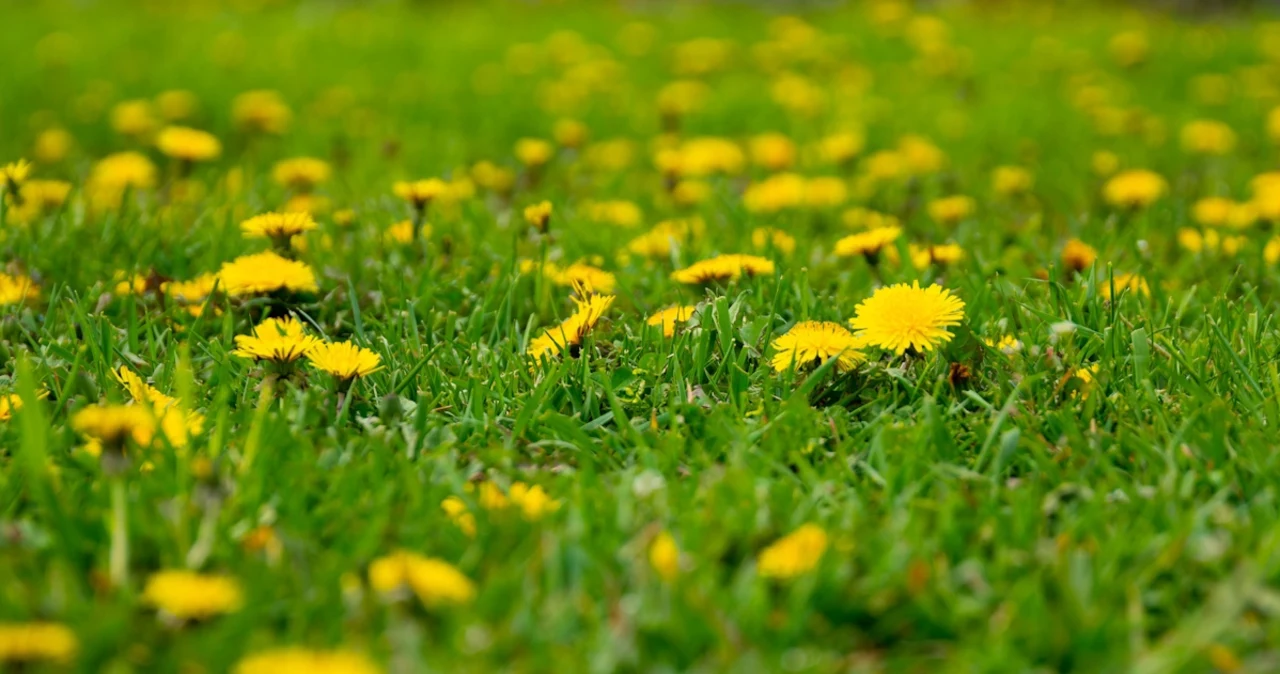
[474, 336]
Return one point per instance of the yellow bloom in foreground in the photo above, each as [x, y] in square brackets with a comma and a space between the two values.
[344, 360]
[36, 642]
[278, 226]
[815, 342]
[1121, 282]
[17, 289]
[188, 144]
[278, 340]
[263, 273]
[1078, 255]
[532, 500]
[902, 316]
[303, 661]
[794, 554]
[301, 173]
[668, 318]
[9, 403]
[113, 425]
[723, 268]
[1134, 189]
[435, 581]
[664, 556]
[538, 215]
[188, 595]
[868, 243]
[573, 329]
[140, 390]
[15, 173]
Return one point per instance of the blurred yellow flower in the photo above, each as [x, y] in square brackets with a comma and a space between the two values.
[869, 243]
[52, 145]
[764, 238]
[1011, 180]
[534, 152]
[723, 268]
[294, 660]
[950, 210]
[35, 642]
[279, 227]
[188, 144]
[538, 215]
[188, 595]
[1078, 256]
[261, 111]
[1136, 188]
[1208, 137]
[420, 193]
[773, 151]
[664, 556]
[436, 582]
[792, 555]
[134, 118]
[301, 174]
[669, 317]
[1132, 283]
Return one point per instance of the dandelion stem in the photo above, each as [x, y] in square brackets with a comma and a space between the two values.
[119, 562]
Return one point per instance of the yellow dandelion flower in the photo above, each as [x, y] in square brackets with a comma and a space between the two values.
[263, 273]
[538, 215]
[139, 389]
[277, 226]
[9, 403]
[924, 256]
[666, 235]
[572, 330]
[53, 145]
[723, 268]
[669, 317]
[902, 316]
[534, 502]
[1209, 137]
[192, 294]
[123, 170]
[114, 425]
[34, 642]
[813, 343]
[1078, 256]
[570, 133]
[176, 104]
[402, 232]
[772, 151]
[420, 193]
[534, 152]
[1130, 282]
[188, 144]
[436, 582]
[280, 340]
[868, 243]
[301, 173]
[17, 289]
[1134, 189]
[294, 660]
[344, 360]
[261, 111]
[950, 210]
[1008, 345]
[664, 556]
[15, 173]
[581, 274]
[1011, 180]
[458, 513]
[840, 148]
[134, 118]
[188, 595]
[792, 555]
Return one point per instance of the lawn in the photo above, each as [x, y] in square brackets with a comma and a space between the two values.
[398, 337]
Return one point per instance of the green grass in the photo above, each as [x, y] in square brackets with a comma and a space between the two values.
[1017, 520]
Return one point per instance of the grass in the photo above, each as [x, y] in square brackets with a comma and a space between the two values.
[1010, 517]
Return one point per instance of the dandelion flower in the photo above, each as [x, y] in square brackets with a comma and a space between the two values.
[458, 513]
[190, 145]
[187, 595]
[1122, 282]
[420, 193]
[1078, 255]
[344, 360]
[943, 254]
[435, 581]
[950, 210]
[763, 238]
[581, 274]
[573, 329]
[14, 174]
[1008, 345]
[295, 660]
[261, 111]
[538, 215]
[534, 152]
[9, 403]
[664, 556]
[36, 642]
[280, 340]
[1011, 180]
[532, 500]
[279, 227]
[139, 389]
[301, 174]
[1207, 137]
[869, 243]
[669, 317]
[114, 425]
[902, 316]
[17, 289]
[815, 342]
[723, 268]
[794, 554]
[1134, 189]
[263, 273]
[192, 294]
